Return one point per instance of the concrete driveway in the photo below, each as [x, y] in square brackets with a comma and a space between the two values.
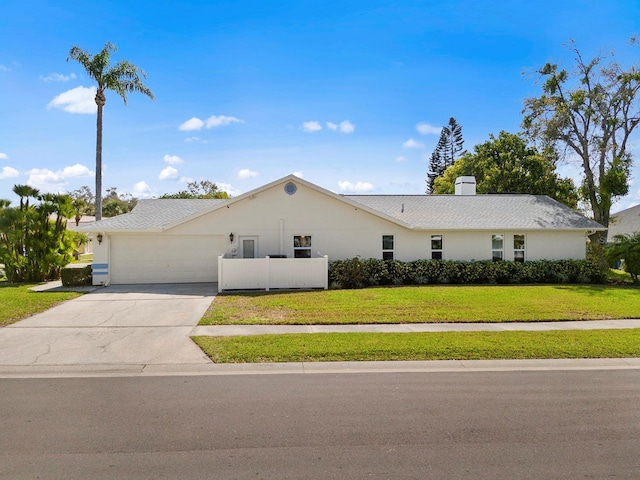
[112, 327]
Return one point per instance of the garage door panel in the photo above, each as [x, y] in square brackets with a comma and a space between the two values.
[168, 259]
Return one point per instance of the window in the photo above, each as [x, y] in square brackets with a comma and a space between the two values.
[302, 246]
[518, 248]
[497, 247]
[387, 247]
[436, 247]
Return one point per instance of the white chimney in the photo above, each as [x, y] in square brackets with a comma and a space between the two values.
[466, 186]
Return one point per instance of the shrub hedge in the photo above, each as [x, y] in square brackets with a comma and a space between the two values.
[76, 277]
[358, 273]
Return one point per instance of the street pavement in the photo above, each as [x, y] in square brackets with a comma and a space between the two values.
[144, 330]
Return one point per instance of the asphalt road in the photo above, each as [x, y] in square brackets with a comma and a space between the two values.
[489, 425]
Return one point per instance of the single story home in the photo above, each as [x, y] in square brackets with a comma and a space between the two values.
[292, 221]
[625, 222]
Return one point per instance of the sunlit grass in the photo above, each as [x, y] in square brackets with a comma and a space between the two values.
[18, 302]
[322, 347]
[427, 304]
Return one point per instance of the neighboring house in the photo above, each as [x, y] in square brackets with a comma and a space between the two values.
[625, 222]
[75, 226]
[173, 240]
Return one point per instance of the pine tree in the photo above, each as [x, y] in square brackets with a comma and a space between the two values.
[447, 151]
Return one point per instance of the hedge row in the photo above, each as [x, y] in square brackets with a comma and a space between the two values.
[358, 273]
[76, 276]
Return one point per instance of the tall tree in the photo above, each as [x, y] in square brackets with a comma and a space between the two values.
[506, 164]
[449, 148]
[201, 189]
[118, 203]
[123, 77]
[591, 113]
[83, 202]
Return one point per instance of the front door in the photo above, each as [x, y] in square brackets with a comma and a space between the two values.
[249, 247]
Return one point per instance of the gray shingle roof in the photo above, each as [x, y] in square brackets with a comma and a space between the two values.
[625, 222]
[155, 214]
[455, 212]
[428, 212]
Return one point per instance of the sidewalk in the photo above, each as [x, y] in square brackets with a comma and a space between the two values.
[233, 330]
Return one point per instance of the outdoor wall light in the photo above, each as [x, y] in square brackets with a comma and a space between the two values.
[99, 237]
[231, 237]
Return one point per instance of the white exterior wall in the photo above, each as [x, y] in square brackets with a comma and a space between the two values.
[342, 231]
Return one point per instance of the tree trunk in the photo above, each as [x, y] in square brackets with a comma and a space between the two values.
[100, 101]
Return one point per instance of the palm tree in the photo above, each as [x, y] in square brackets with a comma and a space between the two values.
[122, 77]
[25, 192]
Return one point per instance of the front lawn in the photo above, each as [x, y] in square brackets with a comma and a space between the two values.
[427, 304]
[321, 347]
[18, 302]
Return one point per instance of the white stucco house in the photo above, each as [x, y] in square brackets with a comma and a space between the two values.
[171, 240]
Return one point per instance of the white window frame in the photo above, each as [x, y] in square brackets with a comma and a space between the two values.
[300, 245]
[387, 251]
[497, 250]
[437, 250]
[518, 250]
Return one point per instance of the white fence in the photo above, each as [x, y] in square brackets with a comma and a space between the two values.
[267, 273]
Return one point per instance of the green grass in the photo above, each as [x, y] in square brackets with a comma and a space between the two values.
[619, 276]
[18, 302]
[84, 258]
[321, 347]
[427, 304]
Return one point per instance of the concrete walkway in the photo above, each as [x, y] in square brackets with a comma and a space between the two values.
[231, 330]
[132, 330]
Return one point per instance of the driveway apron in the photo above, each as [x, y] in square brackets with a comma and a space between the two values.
[115, 325]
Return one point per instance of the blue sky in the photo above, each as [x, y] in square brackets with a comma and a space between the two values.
[351, 95]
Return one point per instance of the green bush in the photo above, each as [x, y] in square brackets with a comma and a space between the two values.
[76, 277]
[357, 273]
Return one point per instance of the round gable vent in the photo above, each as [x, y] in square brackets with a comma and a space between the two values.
[290, 188]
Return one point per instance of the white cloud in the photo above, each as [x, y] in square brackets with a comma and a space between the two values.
[212, 122]
[192, 124]
[142, 190]
[168, 173]
[48, 181]
[298, 174]
[227, 187]
[58, 77]
[426, 129]
[358, 187]
[173, 160]
[76, 100]
[221, 121]
[343, 127]
[76, 170]
[246, 173]
[3, 156]
[346, 127]
[411, 143]
[4, 68]
[401, 159]
[312, 126]
[8, 172]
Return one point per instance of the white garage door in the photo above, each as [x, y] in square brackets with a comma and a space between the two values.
[170, 259]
